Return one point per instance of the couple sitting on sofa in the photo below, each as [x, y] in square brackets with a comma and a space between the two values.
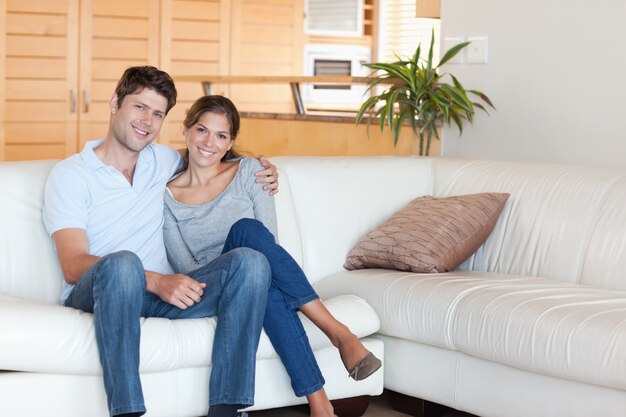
[104, 210]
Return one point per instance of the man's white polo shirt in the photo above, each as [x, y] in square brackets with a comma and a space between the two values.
[82, 192]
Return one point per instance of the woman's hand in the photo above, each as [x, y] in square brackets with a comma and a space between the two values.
[269, 176]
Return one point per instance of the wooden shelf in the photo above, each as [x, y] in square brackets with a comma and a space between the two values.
[294, 82]
[273, 79]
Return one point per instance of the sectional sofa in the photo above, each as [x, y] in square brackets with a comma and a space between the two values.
[532, 324]
[49, 362]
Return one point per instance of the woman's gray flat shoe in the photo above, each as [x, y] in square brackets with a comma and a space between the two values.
[365, 368]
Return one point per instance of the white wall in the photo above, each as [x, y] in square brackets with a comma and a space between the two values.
[556, 73]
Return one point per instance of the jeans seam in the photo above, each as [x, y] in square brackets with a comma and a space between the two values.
[128, 409]
[312, 362]
[309, 390]
[302, 301]
[243, 402]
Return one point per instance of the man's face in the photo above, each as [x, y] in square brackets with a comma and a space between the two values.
[137, 121]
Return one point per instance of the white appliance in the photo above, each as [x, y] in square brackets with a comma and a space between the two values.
[335, 60]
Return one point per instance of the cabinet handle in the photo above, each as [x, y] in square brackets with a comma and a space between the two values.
[72, 101]
[86, 100]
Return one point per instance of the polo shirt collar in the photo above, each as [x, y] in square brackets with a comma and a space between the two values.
[89, 156]
[94, 163]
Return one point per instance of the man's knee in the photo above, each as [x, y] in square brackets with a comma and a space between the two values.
[123, 269]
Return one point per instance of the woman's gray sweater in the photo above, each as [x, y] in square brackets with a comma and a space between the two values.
[195, 234]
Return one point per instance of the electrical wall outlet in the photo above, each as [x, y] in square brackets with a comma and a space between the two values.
[477, 52]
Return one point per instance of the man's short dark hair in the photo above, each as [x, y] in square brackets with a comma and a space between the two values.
[136, 79]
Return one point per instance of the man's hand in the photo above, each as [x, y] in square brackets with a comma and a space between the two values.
[179, 290]
[269, 176]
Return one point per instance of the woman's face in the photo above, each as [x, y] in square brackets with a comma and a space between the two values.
[209, 139]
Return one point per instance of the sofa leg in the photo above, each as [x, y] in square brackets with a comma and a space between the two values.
[419, 408]
[351, 407]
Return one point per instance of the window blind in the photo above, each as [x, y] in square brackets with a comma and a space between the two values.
[334, 17]
[401, 32]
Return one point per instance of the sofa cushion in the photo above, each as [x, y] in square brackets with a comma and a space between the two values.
[429, 234]
[61, 339]
[539, 325]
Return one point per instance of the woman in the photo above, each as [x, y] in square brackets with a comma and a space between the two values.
[214, 206]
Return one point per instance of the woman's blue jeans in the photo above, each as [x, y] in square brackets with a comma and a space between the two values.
[289, 290]
[114, 290]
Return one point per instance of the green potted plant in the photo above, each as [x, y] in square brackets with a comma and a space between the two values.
[417, 94]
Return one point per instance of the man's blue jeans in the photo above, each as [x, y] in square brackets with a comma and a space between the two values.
[114, 290]
[289, 290]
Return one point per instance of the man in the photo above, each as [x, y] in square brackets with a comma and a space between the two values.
[104, 209]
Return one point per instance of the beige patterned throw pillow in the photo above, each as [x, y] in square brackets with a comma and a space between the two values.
[430, 234]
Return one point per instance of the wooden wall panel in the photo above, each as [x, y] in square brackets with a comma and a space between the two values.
[428, 8]
[123, 8]
[200, 30]
[28, 151]
[27, 111]
[55, 25]
[49, 133]
[39, 64]
[3, 19]
[121, 27]
[35, 45]
[192, 43]
[21, 89]
[53, 47]
[188, 9]
[133, 49]
[296, 137]
[187, 50]
[33, 67]
[115, 34]
[38, 6]
[266, 39]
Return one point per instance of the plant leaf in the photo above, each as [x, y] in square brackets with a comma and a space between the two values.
[483, 97]
[452, 52]
[365, 107]
[429, 63]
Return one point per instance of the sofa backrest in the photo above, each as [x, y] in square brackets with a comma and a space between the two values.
[28, 263]
[326, 204]
[563, 222]
[605, 261]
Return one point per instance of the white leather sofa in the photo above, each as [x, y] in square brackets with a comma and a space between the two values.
[533, 324]
[49, 362]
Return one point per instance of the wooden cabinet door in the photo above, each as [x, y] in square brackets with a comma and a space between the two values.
[194, 41]
[40, 74]
[266, 39]
[114, 35]
[62, 60]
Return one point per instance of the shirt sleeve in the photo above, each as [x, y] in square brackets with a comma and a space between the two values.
[174, 160]
[264, 205]
[66, 200]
